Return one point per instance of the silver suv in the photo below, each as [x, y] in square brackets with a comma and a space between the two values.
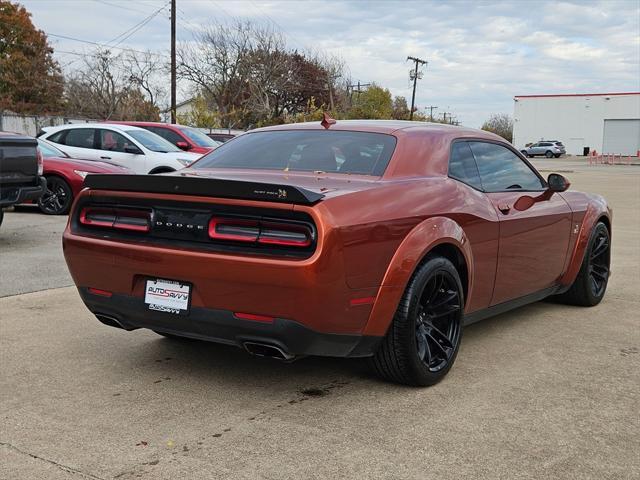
[550, 149]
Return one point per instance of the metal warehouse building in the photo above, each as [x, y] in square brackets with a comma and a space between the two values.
[606, 122]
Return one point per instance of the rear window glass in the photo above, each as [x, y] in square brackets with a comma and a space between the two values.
[361, 153]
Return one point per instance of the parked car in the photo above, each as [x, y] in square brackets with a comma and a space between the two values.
[220, 137]
[65, 176]
[20, 170]
[271, 244]
[185, 138]
[549, 149]
[133, 147]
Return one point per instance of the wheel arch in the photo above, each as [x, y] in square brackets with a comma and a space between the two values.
[597, 211]
[437, 235]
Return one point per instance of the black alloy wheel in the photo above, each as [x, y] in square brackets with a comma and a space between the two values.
[57, 199]
[424, 337]
[438, 321]
[590, 285]
[599, 259]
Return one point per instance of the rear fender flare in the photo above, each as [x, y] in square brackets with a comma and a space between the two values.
[595, 212]
[414, 248]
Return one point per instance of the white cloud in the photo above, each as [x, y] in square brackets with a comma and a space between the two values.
[480, 54]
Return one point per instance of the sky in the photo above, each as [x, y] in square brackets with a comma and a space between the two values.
[480, 53]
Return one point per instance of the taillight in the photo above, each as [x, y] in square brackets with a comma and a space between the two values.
[40, 161]
[290, 235]
[238, 230]
[265, 232]
[121, 219]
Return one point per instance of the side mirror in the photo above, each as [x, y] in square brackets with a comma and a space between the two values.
[183, 146]
[133, 149]
[557, 183]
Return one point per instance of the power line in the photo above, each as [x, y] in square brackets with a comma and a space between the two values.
[126, 34]
[104, 2]
[103, 45]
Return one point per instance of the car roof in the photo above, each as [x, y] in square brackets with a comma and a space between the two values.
[110, 126]
[384, 126]
[150, 124]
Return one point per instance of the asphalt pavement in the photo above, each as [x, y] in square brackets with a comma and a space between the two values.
[546, 391]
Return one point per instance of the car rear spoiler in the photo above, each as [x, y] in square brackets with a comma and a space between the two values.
[205, 187]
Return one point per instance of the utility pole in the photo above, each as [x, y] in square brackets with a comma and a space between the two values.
[173, 61]
[431, 109]
[359, 86]
[444, 116]
[414, 75]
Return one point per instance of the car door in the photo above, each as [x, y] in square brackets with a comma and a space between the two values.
[535, 224]
[118, 149]
[534, 149]
[77, 142]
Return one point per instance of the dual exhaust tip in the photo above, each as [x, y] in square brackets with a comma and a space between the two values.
[267, 350]
[254, 348]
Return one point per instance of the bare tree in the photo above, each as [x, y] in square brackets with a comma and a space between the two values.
[217, 64]
[500, 124]
[101, 88]
[144, 70]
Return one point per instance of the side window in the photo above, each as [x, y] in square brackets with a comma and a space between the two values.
[167, 134]
[501, 169]
[80, 137]
[113, 141]
[462, 165]
[57, 137]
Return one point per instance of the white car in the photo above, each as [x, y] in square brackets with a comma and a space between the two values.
[136, 148]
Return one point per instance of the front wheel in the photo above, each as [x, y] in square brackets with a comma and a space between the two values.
[424, 337]
[557, 155]
[58, 197]
[590, 285]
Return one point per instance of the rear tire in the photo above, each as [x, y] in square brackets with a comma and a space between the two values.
[548, 154]
[557, 155]
[423, 340]
[590, 285]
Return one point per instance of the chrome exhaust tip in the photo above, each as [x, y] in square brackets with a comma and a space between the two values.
[267, 350]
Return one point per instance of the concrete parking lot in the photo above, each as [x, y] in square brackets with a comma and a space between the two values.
[547, 391]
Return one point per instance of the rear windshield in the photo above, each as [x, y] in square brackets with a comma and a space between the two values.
[199, 138]
[305, 150]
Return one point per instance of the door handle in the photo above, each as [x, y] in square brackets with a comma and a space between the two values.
[105, 158]
[504, 208]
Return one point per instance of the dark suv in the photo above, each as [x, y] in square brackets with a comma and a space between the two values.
[20, 170]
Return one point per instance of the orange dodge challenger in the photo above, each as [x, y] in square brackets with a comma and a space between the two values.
[377, 239]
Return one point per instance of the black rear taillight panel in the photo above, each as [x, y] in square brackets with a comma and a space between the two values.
[222, 228]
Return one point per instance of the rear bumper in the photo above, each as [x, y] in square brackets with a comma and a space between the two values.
[12, 195]
[221, 326]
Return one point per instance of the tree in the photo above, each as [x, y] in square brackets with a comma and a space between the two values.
[104, 89]
[400, 108]
[201, 115]
[251, 78]
[30, 78]
[500, 124]
[374, 103]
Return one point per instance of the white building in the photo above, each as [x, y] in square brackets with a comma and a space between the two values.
[605, 122]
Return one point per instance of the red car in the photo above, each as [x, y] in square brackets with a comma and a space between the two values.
[65, 176]
[186, 138]
[377, 239]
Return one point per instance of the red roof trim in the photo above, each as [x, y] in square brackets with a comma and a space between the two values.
[578, 95]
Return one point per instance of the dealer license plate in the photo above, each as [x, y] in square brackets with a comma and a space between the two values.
[167, 296]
